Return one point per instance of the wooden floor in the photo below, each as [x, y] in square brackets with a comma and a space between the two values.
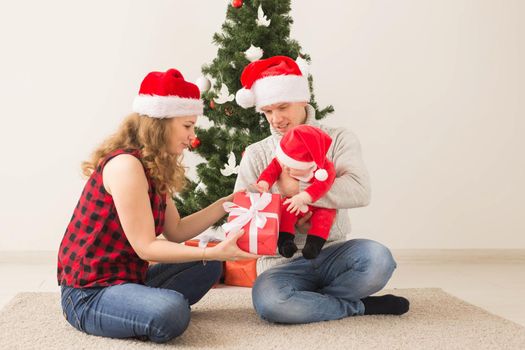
[492, 279]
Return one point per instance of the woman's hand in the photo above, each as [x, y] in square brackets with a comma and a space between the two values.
[228, 250]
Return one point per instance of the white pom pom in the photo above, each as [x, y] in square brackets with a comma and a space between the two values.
[245, 98]
[321, 174]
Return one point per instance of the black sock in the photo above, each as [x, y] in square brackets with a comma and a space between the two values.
[385, 305]
[286, 245]
[313, 246]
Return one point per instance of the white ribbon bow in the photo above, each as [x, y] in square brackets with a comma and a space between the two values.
[253, 215]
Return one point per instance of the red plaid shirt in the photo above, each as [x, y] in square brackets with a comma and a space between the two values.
[95, 251]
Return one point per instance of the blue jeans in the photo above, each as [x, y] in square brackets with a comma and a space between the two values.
[158, 310]
[328, 287]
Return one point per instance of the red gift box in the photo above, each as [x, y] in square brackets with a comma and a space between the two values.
[259, 216]
[240, 273]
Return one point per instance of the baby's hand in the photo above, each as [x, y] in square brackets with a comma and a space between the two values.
[298, 203]
[261, 186]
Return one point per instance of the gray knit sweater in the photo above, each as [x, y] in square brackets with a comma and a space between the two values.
[351, 188]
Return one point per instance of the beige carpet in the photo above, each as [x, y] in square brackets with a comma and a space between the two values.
[224, 319]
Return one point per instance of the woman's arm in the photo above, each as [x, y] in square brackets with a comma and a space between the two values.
[125, 180]
[180, 230]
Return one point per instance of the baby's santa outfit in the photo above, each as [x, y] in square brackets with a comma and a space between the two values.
[304, 147]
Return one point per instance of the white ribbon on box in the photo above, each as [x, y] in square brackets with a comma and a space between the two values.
[253, 215]
[210, 235]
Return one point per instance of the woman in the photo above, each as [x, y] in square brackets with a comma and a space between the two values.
[107, 287]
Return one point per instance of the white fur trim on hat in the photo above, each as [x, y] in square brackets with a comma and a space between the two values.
[321, 174]
[245, 98]
[280, 88]
[167, 106]
[290, 162]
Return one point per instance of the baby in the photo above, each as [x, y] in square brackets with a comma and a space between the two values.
[302, 150]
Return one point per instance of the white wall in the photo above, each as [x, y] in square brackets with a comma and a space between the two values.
[434, 90]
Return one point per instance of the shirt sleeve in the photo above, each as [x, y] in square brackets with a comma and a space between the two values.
[248, 172]
[351, 187]
[318, 189]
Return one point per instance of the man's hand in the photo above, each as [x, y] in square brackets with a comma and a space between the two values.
[303, 224]
[298, 202]
[261, 186]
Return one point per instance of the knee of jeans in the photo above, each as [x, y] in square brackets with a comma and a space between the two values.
[381, 263]
[171, 318]
[270, 299]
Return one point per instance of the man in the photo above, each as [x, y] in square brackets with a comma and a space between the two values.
[339, 281]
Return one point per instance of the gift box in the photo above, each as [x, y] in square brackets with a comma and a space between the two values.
[259, 215]
[195, 243]
[240, 273]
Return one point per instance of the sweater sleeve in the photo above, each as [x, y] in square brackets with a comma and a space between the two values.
[351, 187]
[317, 188]
[248, 172]
[271, 173]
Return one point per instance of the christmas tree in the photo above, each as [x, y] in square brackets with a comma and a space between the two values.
[252, 30]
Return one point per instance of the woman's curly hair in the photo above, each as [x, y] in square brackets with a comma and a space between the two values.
[151, 136]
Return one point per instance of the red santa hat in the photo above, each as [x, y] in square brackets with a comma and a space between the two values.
[166, 95]
[304, 147]
[272, 80]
